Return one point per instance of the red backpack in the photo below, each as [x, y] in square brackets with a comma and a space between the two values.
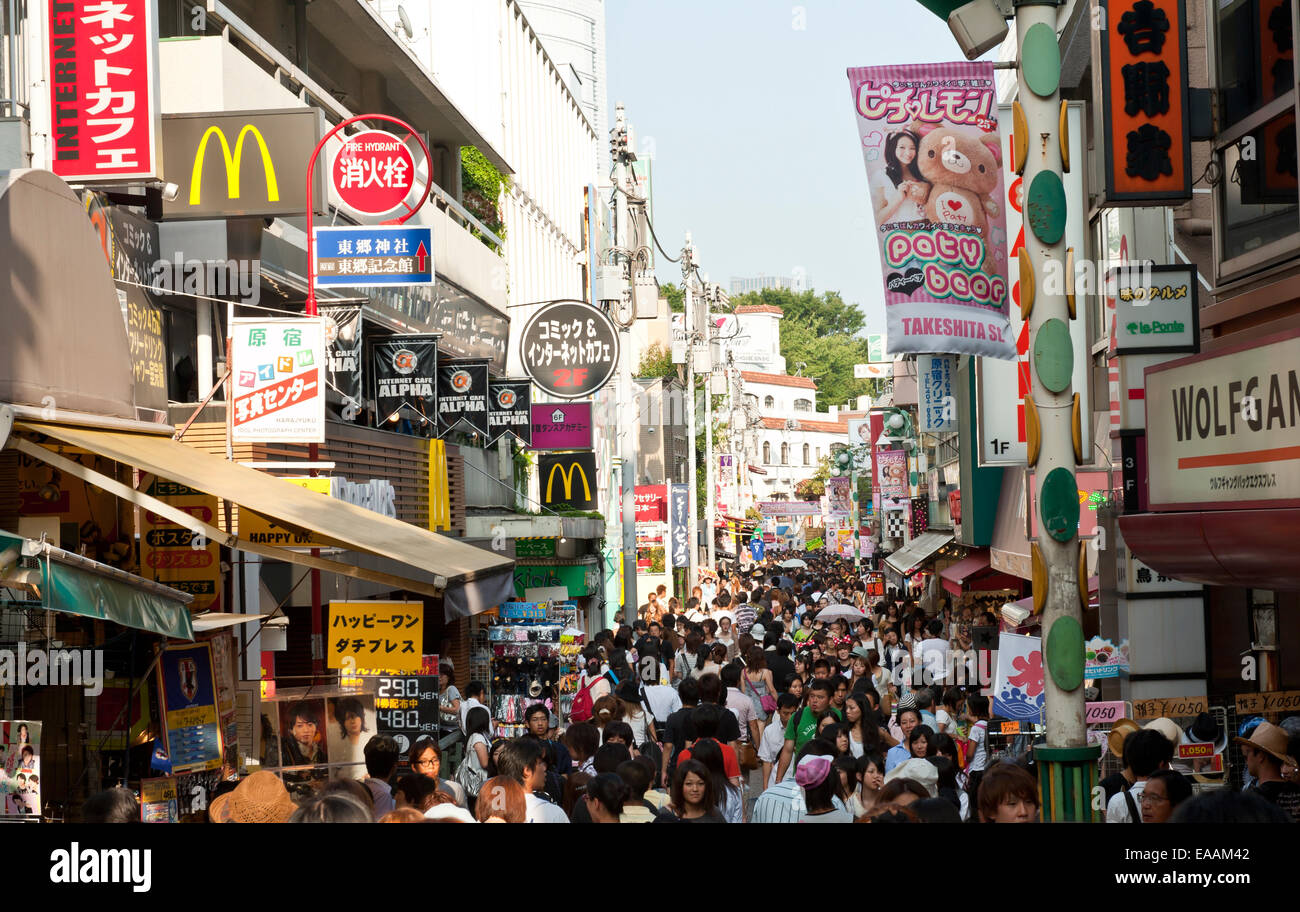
[583, 703]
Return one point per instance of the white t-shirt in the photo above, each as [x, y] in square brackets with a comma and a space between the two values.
[1117, 809]
[769, 749]
[934, 655]
[637, 721]
[944, 720]
[540, 811]
[663, 701]
[465, 707]
[883, 188]
[979, 751]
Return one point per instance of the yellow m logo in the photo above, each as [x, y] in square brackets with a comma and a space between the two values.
[567, 475]
[232, 164]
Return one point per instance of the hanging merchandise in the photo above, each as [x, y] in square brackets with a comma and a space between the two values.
[532, 661]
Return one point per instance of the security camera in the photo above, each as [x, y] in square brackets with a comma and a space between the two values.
[979, 26]
[170, 191]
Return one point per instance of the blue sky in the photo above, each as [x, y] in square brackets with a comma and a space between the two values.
[746, 106]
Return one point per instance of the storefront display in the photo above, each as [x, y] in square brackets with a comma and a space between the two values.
[533, 659]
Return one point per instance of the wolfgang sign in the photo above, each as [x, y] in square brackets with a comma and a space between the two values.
[249, 163]
[1224, 429]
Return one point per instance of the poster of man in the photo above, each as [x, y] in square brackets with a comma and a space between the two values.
[350, 725]
[302, 734]
[20, 768]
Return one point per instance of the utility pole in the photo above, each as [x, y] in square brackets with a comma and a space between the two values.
[693, 570]
[710, 497]
[1068, 764]
[625, 430]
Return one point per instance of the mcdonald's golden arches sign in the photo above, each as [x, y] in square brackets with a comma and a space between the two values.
[249, 163]
[568, 479]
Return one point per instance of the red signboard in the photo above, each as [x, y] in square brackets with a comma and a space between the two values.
[651, 503]
[1144, 99]
[373, 172]
[103, 89]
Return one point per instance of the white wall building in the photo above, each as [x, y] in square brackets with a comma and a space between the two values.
[573, 32]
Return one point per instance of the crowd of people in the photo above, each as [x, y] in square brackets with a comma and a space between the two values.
[773, 695]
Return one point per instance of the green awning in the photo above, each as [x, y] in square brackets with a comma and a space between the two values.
[78, 585]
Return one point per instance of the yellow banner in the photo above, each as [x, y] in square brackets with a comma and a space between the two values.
[439, 490]
[262, 530]
[386, 635]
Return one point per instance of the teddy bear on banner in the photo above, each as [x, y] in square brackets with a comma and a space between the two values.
[963, 169]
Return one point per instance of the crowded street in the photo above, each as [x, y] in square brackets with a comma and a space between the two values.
[616, 411]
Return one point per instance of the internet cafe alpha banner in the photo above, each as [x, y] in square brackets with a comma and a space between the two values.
[930, 141]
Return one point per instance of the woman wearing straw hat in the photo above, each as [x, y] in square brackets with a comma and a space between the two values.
[1265, 754]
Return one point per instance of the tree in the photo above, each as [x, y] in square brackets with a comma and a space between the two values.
[657, 361]
[676, 296]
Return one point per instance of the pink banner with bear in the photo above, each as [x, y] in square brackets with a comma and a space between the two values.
[933, 155]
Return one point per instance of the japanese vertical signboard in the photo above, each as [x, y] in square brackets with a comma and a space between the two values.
[929, 137]
[189, 706]
[510, 409]
[375, 637]
[279, 380]
[1004, 385]
[569, 350]
[679, 525]
[1143, 76]
[936, 384]
[405, 369]
[568, 479]
[463, 396]
[103, 89]
[176, 556]
[839, 496]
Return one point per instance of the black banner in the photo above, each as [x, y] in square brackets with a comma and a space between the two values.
[568, 479]
[463, 396]
[343, 355]
[509, 407]
[406, 370]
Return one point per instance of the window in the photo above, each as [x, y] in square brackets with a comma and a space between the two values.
[769, 402]
[1256, 200]
[767, 453]
[785, 454]
[819, 454]
[806, 450]
[803, 405]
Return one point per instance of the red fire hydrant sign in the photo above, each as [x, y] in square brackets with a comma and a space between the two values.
[373, 172]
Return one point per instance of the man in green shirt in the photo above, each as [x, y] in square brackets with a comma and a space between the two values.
[802, 726]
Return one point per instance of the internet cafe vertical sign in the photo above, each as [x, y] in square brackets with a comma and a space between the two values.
[279, 381]
[103, 85]
[929, 136]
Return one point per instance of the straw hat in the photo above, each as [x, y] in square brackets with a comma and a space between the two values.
[1270, 738]
[260, 798]
[1169, 728]
[1118, 732]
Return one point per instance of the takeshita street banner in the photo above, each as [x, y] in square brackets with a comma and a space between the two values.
[930, 141]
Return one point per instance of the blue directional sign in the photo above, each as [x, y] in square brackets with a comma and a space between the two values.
[374, 255]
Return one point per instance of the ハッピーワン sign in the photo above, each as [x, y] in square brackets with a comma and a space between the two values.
[930, 140]
[1224, 429]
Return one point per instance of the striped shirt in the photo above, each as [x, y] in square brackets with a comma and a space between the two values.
[783, 803]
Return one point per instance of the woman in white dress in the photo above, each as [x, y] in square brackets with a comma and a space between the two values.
[899, 193]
